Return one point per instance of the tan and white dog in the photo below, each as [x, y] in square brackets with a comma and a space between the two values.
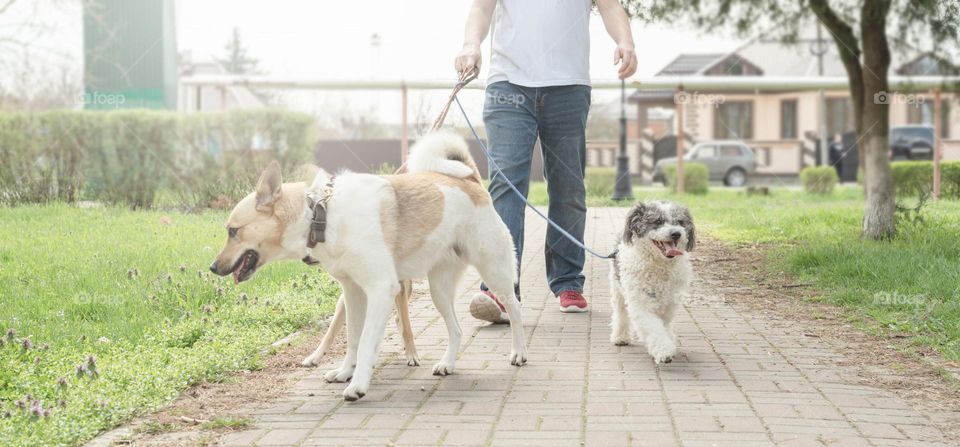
[380, 230]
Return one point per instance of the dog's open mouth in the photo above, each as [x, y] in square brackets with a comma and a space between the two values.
[245, 266]
[668, 248]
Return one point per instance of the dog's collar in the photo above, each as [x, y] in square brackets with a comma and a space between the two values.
[317, 201]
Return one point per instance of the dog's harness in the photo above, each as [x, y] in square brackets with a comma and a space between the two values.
[318, 201]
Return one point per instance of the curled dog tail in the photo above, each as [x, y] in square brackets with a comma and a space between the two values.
[444, 153]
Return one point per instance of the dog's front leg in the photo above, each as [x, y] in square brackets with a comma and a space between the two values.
[660, 343]
[620, 322]
[355, 307]
[380, 298]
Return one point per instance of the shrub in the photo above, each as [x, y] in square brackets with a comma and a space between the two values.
[819, 179]
[600, 181]
[130, 156]
[696, 178]
[915, 178]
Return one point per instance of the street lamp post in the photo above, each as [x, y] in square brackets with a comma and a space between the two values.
[622, 189]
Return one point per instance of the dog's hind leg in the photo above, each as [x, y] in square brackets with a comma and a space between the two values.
[336, 324]
[355, 309]
[403, 322]
[381, 293]
[443, 282]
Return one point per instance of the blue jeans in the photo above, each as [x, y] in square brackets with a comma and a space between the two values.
[515, 116]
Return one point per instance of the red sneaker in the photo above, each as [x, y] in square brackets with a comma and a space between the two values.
[487, 307]
[572, 302]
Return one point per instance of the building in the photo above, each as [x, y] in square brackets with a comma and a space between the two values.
[780, 126]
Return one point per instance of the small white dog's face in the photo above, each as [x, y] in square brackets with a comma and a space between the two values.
[664, 229]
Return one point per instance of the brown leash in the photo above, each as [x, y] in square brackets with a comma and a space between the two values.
[465, 78]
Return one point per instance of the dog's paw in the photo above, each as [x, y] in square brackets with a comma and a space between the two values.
[620, 339]
[312, 360]
[518, 358]
[354, 392]
[338, 375]
[663, 352]
[413, 360]
[442, 369]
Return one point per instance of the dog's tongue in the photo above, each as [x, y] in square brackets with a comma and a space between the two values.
[236, 276]
[672, 250]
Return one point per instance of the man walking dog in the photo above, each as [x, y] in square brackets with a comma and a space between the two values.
[538, 86]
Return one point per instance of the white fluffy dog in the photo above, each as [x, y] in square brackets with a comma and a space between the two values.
[650, 275]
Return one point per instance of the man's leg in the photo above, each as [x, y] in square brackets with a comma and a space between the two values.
[511, 133]
[563, 119]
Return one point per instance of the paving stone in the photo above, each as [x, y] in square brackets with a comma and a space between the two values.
[740, 380]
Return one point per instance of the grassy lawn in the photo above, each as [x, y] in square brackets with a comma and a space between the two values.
[108, 313]
[909, 285]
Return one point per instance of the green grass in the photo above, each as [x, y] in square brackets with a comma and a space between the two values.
[131, 289]
[226, 423]
[910, 284]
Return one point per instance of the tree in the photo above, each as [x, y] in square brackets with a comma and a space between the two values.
[861, 30]
[237, 60]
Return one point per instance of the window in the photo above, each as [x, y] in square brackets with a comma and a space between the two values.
[707, 152]
[788, 119]
[734, 120]
[731, 151]
[922, 113]
[839, 116]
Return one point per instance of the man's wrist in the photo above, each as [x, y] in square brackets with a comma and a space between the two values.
[471, 46]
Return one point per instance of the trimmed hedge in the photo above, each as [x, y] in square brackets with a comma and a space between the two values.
[915, 178]
[132, 156]
[600, 181]
[696, 178]
[819, 179]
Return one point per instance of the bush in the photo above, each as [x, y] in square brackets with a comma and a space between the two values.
[600, 181]
[915, 178]
[130, 156]
[819, 179]
[696, 178]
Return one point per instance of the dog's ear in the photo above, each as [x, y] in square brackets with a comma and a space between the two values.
[691, 230]
[634, 219]
[269, 187]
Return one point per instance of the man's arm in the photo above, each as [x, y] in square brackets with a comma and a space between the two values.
[478, 24]
[617, 23]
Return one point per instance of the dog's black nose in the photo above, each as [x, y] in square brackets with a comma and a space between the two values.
[676, 235]
[213, 267]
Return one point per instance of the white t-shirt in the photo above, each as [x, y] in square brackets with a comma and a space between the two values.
[541, 43]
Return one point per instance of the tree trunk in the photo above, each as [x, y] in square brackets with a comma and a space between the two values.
[848, 48]
[878, 212]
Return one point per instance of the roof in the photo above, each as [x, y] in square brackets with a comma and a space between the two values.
[688, 64]
[774, 58]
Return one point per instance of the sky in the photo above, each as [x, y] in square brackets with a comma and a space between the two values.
[329, 39]
[418, 41]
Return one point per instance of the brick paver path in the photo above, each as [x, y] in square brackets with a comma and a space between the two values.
[738, 381]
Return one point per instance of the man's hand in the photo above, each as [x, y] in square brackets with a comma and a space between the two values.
[627, 58]
[468, 59]
[618, 26]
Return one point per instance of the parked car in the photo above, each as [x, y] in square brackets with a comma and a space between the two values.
[730, 161]
[911, 143]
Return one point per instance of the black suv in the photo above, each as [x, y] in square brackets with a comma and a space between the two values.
[911, 143]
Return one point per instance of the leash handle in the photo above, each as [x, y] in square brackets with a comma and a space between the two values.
[464, 78]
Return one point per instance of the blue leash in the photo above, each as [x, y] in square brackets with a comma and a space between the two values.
[516, 191]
